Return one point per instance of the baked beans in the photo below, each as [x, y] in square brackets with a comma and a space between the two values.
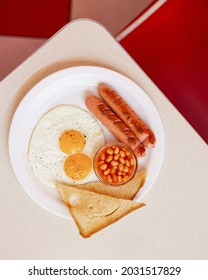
[115, 164]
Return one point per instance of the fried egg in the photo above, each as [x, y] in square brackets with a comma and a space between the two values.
[63, 145]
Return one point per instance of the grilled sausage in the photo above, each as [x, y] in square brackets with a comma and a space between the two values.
[111, 121]
[127, 115]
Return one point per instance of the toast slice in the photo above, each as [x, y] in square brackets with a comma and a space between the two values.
[92, 211]
[125, 191]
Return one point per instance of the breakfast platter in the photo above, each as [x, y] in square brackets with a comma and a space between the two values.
[56, 104]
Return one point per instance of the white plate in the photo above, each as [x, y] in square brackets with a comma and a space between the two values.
[70, 86]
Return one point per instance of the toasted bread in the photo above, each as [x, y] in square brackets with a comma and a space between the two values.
[125, 191]
[92, 211]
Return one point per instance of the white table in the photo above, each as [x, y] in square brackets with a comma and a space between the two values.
[174, 225]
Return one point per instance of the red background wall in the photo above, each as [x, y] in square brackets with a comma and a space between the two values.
[172, 48]
[39, 18]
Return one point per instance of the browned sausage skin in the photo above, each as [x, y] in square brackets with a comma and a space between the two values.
[111, 121]
[127, 115]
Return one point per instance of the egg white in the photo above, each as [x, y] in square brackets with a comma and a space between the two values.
[44, 154]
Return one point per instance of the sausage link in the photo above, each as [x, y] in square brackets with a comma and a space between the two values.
[127, 115]
[111, 121]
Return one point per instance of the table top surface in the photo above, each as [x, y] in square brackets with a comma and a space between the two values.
[173, 225]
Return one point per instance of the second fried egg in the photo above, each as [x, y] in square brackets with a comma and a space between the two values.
[63, 145]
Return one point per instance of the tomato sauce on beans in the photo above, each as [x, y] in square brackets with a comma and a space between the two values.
[115, 164]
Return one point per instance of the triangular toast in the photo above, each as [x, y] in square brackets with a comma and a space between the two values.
[92, 211]
[125, 191]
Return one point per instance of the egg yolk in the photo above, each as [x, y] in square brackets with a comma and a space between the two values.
[78, 166]
[71, 141]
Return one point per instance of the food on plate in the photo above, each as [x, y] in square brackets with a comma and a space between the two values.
[127, 115]
[92, 211]
[63, 145]
[115, 163]
[117, 127]
[67, 150]
[125, 191]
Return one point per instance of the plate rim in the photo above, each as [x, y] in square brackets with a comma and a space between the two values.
[58, 73]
